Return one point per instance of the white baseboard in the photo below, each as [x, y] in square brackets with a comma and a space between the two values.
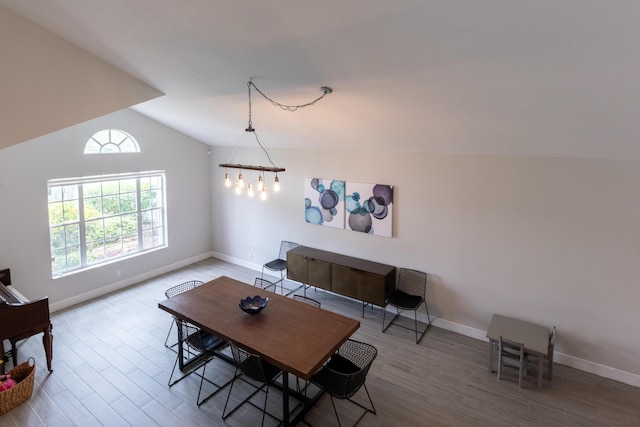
[561, 358]
[237, 261]
[125, 283]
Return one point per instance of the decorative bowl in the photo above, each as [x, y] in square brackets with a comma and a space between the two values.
[253, 305]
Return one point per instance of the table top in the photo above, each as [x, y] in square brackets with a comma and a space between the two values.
[534, 337]
[289, 334]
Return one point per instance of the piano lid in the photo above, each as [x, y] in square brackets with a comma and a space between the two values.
[8, 294]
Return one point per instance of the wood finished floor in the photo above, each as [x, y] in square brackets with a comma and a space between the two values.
[111, 368]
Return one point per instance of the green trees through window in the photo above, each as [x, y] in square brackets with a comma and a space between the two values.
[94, 220]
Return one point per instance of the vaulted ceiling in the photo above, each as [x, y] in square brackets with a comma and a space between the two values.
[542, 78]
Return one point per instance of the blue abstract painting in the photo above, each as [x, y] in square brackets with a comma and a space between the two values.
[324, 202]
[369, 208]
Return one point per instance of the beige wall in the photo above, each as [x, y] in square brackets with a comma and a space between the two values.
[550, 240]
[48, 83]
[24, 235]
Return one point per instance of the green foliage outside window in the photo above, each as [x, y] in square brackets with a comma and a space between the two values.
[113, 222]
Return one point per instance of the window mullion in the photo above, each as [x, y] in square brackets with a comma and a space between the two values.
[82, 227]
[139, 211]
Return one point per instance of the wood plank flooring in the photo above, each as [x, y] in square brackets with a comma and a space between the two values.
[111, 368]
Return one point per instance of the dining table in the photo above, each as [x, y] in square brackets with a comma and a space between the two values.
[293, 336]
[535, 338]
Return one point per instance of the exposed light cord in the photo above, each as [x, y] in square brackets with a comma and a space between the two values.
[250, 129]
[325, 91]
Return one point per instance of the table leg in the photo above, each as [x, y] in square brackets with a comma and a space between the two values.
[285, 398]
[181, 364]
[491, 345]
[540, 365]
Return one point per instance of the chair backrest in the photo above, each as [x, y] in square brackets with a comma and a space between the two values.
[307, 300]
[552, 342]
[413, 282]
[264, 284]
[190, 335]
[511, 350]
[285, 247]
[182, 287]
[250, 364]
[359, 357]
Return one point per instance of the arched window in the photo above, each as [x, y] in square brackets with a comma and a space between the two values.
[111, 141]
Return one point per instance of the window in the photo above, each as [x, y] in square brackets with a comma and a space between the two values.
[111, 141]
[94, 220]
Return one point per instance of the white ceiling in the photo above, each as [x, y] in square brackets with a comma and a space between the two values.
[543, 78]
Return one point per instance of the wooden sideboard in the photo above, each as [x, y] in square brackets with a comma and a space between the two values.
[367, 281]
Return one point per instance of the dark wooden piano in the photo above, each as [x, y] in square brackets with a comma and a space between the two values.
[21, 318]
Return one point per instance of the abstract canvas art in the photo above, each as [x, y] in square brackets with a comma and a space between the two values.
[324, 202]
[369, 208]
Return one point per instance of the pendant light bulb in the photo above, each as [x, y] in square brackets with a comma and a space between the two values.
[260, 183]
[238, 189]
[227, 181]
[249, 190]
[276, 185]
[241, 180]
[263, 193]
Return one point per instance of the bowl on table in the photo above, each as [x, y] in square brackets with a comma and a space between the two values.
[253, 305]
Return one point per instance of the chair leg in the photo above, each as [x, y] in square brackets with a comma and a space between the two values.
[415, 328]
[335, 411]
[257, 389]
[224, 414]
[426, 327]
[384, 315]
[191, 370]
[166, 341]
[218, 387]
[264, 408]
[371, 410]
[281, 282]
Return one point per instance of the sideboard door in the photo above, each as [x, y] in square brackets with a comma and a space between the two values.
[344, 280]
[297, 267]
[320, 274]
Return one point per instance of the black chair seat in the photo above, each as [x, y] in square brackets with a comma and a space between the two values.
[346, 372]
[402, 299]
[276, 264]
[267, 373]
[205, 340]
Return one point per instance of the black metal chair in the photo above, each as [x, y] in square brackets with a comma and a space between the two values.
[409, 295]
[280, 264]
[314, 303]
[307, 300]
[173, 291]
[345, 373]
[264, 284]
[256, 369]
[198, 349]
[507, 356]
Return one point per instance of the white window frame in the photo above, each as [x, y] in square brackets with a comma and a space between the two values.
[115, 223]
[109, 141]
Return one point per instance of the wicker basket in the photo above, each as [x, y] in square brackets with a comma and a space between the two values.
[23, 375]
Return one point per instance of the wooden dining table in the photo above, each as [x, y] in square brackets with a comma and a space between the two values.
[293, 336]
